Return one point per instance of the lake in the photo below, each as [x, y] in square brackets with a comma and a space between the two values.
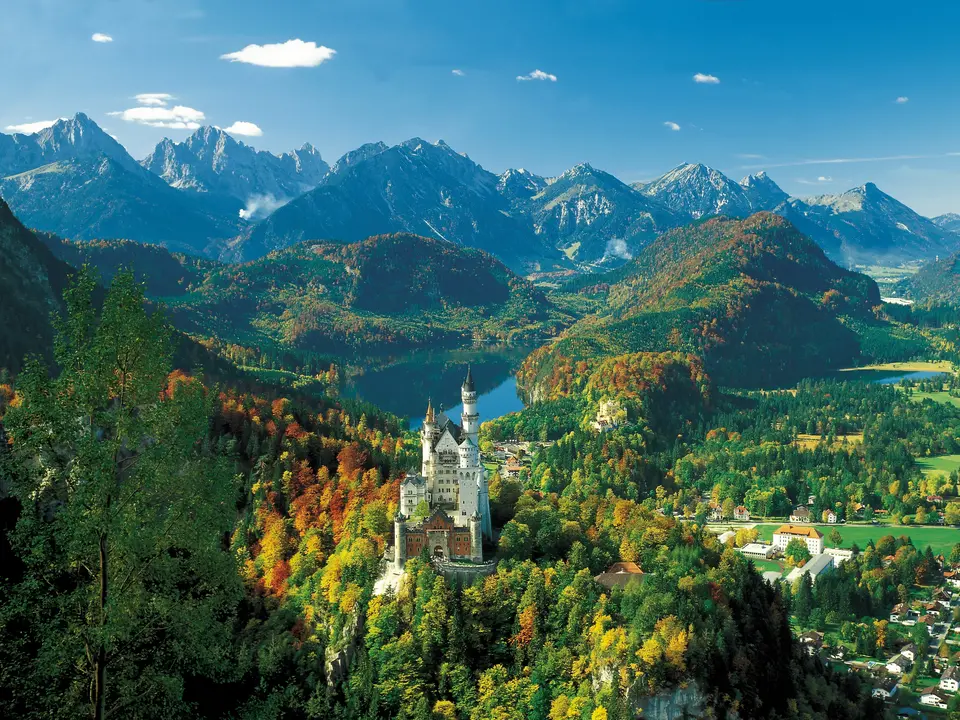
[404, 384]
[886, 377]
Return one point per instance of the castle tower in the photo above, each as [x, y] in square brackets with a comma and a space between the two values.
[483, 505]
[399, 541]
[476, 540]
[428, 436]
[470, 419]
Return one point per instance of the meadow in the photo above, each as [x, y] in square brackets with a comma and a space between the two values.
[941, 539]
[939, 464]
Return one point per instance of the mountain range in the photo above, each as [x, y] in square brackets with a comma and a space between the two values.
[213, 195]
[211, 161]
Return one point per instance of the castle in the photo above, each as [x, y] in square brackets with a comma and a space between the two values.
[453, 484]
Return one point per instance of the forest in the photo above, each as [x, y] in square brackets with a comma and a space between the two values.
[173, 547]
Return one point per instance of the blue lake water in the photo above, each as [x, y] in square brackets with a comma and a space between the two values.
[404, 385]
[885, 377]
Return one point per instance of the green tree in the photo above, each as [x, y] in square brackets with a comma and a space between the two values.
[124, 509]
[803, 599]
[796, 552]
[836, 539]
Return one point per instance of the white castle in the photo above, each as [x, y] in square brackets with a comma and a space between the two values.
[452, 481]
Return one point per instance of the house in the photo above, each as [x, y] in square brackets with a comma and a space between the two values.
[620, 573]
[812, 641]
[513, 467]
[952, 578]
[816, 566]
[898, 665]
[934, 698]
[759, 551]
[936, 499]
[741, 514]
[942, 597]
[772, 577]
[832, 517]
[839, 555]
[930, 622]
[715, 514]
[800, 514]
[950, 680]
[785, 533]
[910, 651]
[884, 687]
[899, 612]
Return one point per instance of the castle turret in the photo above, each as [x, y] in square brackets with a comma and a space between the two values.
[428, 436]
[399, 541]
[476, 539]
[470, 419]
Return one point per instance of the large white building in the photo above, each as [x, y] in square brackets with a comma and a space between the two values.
[452, 482]
[810, 535]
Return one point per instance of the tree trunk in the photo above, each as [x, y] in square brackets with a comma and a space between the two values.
[100, 663]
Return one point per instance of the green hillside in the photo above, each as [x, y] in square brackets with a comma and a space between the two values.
[386, 293]
[757, 300]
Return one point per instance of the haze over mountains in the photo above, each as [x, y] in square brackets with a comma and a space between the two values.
[215, 196]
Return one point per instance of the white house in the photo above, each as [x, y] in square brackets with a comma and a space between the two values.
[800, 514]
[933, 698]
[741, 514]
[760, 551]
[885, 688]
[810, 535]
[898, 665]
[899, 611]
[950, 680]
[910, 652]
[832, 517]
[839, 555]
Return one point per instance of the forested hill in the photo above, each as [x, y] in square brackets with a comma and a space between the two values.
[937, 281]
[32, 282]
[757, 300]
[164, 273]
[389, 292]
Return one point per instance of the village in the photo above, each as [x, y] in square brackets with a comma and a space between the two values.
[922, 671]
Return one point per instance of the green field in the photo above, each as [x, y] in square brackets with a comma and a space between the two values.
[941, 539]
[940, 397]
[939, 463]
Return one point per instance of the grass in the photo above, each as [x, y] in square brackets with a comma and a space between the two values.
[809, 442]
[945, 464]
[911, 366]
[767, 565]
[940, 539]
[942, 397]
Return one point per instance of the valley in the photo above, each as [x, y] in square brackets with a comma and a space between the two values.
[643, 363]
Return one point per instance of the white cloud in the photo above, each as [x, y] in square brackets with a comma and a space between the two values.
[153, 98]
[671, 125]
[30, 128]
[259, 206]
[706, 79]
[244, 128]
[101, 38]
[292, 53]
[750, 156]
[902, 100]
[822, 180]
[538, 75]
[458, 72]
[177, 118]
[844, 161]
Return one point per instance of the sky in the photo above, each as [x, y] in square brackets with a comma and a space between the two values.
[824, 96]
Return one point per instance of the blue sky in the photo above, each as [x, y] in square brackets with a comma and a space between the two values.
[798, 82]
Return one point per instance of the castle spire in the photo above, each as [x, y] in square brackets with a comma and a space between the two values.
[430, 417]
[468, 383]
